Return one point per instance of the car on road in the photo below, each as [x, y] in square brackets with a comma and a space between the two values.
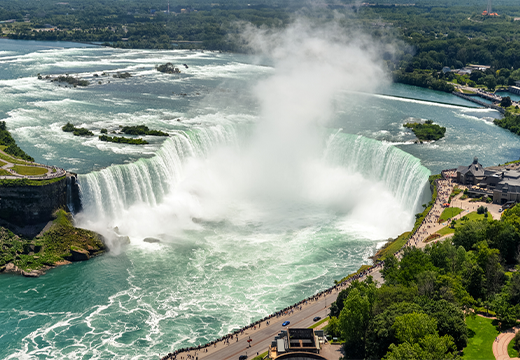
[242, 357]
[285, 323]
[316, 318]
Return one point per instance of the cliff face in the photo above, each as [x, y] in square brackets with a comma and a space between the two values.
[27, 205]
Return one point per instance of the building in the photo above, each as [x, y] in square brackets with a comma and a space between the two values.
[502, 184]
[296, 343]
[472, 174]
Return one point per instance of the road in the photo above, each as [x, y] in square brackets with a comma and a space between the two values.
[263, 336]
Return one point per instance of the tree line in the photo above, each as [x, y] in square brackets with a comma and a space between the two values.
[419, 312]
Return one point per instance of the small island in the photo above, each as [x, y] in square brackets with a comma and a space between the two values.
[141, 130]
[168, 68]
[65, 78]
[124, 75]
[427, 131]
[77, 131]
[122, 140]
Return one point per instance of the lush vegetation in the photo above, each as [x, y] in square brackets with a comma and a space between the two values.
[52, 247]
[427, 79]
[427, 131]
[28, 182]
[428, 35]
[510, 122]
[420, 308]
[122, 140]
[481, 335]
[141, 130]
[77, 131]
[9, 145]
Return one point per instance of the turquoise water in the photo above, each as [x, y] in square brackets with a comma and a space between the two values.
[250, 220]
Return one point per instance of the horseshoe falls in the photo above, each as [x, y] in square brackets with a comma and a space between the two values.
[170, 183]
[257, 199]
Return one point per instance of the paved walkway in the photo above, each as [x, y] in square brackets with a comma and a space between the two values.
[52, 172]
[500, 346]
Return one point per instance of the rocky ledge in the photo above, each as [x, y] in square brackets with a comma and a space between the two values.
[61, 244]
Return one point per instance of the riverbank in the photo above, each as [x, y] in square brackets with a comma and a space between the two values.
[301, 314]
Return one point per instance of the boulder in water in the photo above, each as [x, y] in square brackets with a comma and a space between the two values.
[151, 240]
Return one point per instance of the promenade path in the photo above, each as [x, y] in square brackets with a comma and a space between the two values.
[264, 334]
[500, 346]
[52, 172]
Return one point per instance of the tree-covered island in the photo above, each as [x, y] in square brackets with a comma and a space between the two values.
[122, 140]
[427, 131]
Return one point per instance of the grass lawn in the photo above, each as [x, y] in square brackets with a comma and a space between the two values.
[5, 173]
[2, 163]
[445, 231]
[361, 269]
[29, 170]
[471, 216]
[482, 334]
[511, 351]
[315, 325]
[450, 212]
[394, 246]
[12, 159]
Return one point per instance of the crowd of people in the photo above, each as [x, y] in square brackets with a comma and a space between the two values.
[444, 188]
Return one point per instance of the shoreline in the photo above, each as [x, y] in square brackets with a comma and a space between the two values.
[204, 350]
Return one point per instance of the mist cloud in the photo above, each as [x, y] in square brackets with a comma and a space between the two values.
[281, 176]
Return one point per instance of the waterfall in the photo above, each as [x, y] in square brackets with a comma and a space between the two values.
[107, 192]
[402, 173]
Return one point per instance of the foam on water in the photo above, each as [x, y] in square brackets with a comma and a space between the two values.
[229, 253]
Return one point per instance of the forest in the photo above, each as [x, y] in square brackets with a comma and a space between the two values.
[428, 297]
[426, 35]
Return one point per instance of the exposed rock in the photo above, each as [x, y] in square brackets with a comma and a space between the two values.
[79, 254]
[11, 268]
[32, 273]
[152, 240]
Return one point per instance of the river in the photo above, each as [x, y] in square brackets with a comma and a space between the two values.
[250, 219]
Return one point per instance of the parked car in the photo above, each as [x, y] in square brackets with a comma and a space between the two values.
[316, 318]
[242, 357]
[285, 323]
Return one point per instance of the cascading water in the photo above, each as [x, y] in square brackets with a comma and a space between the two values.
[111, 191]
[402, 173]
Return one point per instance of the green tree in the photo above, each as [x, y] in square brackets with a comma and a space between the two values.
[490, 82]
[354, 320]
[414, 326]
